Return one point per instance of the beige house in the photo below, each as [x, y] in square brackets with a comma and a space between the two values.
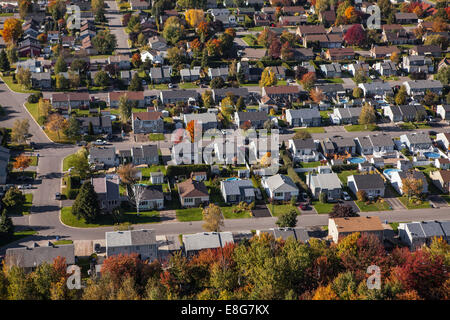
[441, 179]
[339, 228]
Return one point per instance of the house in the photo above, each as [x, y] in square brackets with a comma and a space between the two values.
[221, 72]
[280, 187]
[147, 122]
[29, 48]
[359, 67]
[298, 234]
[336, 54]
[41, 80]
[303, 117]
[142, 242]
[281, 93]
[373, 89]
[256, 119]
[386, 68]
[207, 120]
[107, 189]
[152, 198]
[339, 228]
[406, 18]
[156, 177]
[365, 167]
[262, 19]
[372, 184]
[219, 94]
[441, 179]
[338, 145]
[327, 183]
[4, 162]
[404, 165]
[126, 76]
[153, 56]
[444, 63]
[417, 141]
[397, 178]
[292, 20]
[426, 50]
[404, 112]
[160, 74]
[139, 5]
[303, 150]
[192, 193]
[327, 17]
[136, 97]
[333, 90]
[443, 139]
[302, 54]
[67, 101]
[418, 64]
[157, 43]
[418, 234]
[103, 155]
[145, 154]
[225, 152]
[346, 115]
[332, 70]
[224, 16]
[322, 40]
[174, 96]
[235, 191]
[383, 51]
[122, 61]
[395, 34]
[100, 125]
[29, 258]
[193, 243]
[190, 75]
[253, 54]
[305, 30]
[443, 111]
[186, 153]
[376, 144]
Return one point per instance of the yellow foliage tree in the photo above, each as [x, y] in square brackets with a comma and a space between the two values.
[325, 293]
[12, 30]
[266, 159]
[268, 78]
[194, 17]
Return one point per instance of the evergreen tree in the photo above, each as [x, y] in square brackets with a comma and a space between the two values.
[6, 226]
[287, 219]
[60, 65]
[73, 130]
[135, 84]
[86, 204]
[4, 62]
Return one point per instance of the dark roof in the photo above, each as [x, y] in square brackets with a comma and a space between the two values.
[304, 143]
[192, 188]
[252, 116]
[153, 192]
[368, 181]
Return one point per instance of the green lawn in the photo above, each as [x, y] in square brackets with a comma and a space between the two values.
[313, 164]
[376, 206]
[189, 214]
[323, 208]
[107, 220]
[446, 197]
[344, 174]
[334, 80]
[250, 40]
[61, 242]
[33, 109]
[411, 205]
[229, 214]
[414, 125]
[161, 86]
[146, 171]
[67, 160]
[360, 127]
[249, 84]
[188, 85]
[156, 137]
[312, 129]
[17, 236]
[15, 86]
[324, 114]
[256, 29]
[279, 209]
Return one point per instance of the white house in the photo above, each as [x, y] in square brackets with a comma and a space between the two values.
[280, 187]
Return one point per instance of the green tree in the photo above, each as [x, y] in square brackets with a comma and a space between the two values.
[401, 96]
[60, 65]
[6, 226]
[19, 131]
[240, 104]
[4, 62]
[73, 129]
[11, 52]
[80, 164]
[287, 219]
[13, 199]
[86, 205]
[207, 99]
[61, 82]
[125, 108]
[101, 79]
[23, 77]
[105, 42]
[217, 83]
[357, 92]
[173, 30]
[443, 75]
[20, 285]
[135, 83]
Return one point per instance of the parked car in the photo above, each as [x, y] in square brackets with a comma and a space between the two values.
[99, 142]
[57, 196]
[25, 186]
[98, 248]
[170, 85]
[303, 206]
[346, 196]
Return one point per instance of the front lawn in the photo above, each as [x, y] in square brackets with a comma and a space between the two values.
[334, 80]
[414, 125]
[16, 236]
[414, 204]
[15, 86]
[373, 206]
[323, 208]
[312, 129]
[67, 160]
[62, 242]
[228, 213]
[189, 214]
[156, 137]
[313, 164]
[361, 127]
[33, 109]
[107, 220]
[279, 209]
[188, 85]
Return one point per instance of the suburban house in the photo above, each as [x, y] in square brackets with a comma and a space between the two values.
[103, 155]
[207, 120]
[426, 50]
[192, 193]
[303, 150]
[136, 97]
[224, 16]
[358, 67]
[147, 122]
[41, 80]
[280, 187]
[372, 184]
[157, 43]
[28, 258]
[417, 141]
[305, 30]
[235, 191]
[327, 183]
[256, 119]
[443, 139]
[376, 89]
[386, 68]
[219, 94]
[404, 112]
[153, 56]
[338, 145]
[186, 153]
[417, 234]
[142, 242]
[444, 111]
[100, 125]
[145, 154]
[156, 177]
[122, 61]
[189, 75]
[174, 96]
[152, 198]
[337, 54]
[221, 72]
[346, 115]
[420, 87]
[383, 51]
[339, 228]
[281, 93]
[376, 144]
[441, 179]
[398, 176]
[160, 74]
[107, 189]
[298, 234]
[406, 18]
[442, 163]
[303, 117]
[322, 40]
[67, 101]
[332, 70]
[139, 5]
[302, 54]
[418, 64]
[193, 243]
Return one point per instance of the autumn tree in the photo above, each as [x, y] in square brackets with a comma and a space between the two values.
[357, 92]
[22, 162]
[23, 77]
[361, 195]
[128, 173]
[194, 17]
[268, 78]
[355, 35]
[207, 98]
[57, 123]
[19, 131]
[190, 128]
[308, 81]
[401, 96]
[173, 30]
[395, 57]
[316, 95]
[275, 48]
[412, 187]
[12, 30]
[342, 211]
[265, 37]
[212, 217]
[367, 115]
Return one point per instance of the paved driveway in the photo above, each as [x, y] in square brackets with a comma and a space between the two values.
[261, 211]
[437, 201]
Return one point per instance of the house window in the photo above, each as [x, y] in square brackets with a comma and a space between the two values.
[278, 194]
[188, 200]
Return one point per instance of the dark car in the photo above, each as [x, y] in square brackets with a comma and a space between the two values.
[98, 248]
[303, 206]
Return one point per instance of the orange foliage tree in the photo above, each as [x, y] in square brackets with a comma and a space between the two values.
[22, 162]
[12, 30]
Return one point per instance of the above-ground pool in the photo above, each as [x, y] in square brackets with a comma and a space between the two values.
[389, 172]
[356, 160]
[433, 155]
[113, 117]
[232, 179]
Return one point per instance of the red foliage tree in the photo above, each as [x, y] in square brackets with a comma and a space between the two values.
[355, 35]
[275, 48]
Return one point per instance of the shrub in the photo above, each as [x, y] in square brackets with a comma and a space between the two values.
[323, 197]
[361, 195]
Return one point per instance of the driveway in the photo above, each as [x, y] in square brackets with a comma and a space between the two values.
[437, 201]
[395, 203]
[261, 211]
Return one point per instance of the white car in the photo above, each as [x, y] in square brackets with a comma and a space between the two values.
[345, 196]
[99, 142]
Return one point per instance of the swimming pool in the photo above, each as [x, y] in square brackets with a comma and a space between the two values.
[433, 155]
[388, 172]
[232, 179]
[356, 160]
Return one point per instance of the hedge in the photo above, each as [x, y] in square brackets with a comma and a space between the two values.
[344, 167]
[173, 171]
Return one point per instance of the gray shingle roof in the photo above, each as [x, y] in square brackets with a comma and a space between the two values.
[206, 240]
[368, 181]
[304, 113]
[304, 143]
[252, 116]
[32, 257]
[236, 187]
[280, 182]
[130, 238]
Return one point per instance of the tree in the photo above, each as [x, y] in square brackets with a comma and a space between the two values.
[86, 205]
[80, 164]
[308, 81]
[44, 108]
[56, 123]
[342, 211]
[60, 65]
[6, 226]
[412, 187]
[240, 104]
[136, 60]
[22, 162]
[360, 77]
[443, 75]
[173, 30]
[136, 195]
[361, 195]
[203, 31]
[323, 197]
[190, 128]
[12, 30]
[266, 159]
[61, 82]
[355, 35]
[395, 57]
[19, 131]
[207, 98]
[101, 79]
[125, 108]
[176, 57]
[217, 83]
[25, 7]
[73, 129]
[128, 173]
[367, 115]
[316, 95]
[13, 199]
[265, 37]
[104, 42]
[4, 62]
[429, 99]
[194, 17]
[321, 5]
[437, 40]
[23, 77]
[79, 65]
[212, 217]
[302, 134]
[11, 52]
[275, 48]
[287, 219]
[268, 78]
[357, 92]
[136, 83]
[400, 98]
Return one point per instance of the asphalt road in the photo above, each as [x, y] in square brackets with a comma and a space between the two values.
[115, 26]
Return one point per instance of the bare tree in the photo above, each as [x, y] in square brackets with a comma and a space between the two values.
[137, 191]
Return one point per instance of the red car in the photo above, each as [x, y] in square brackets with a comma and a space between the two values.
[303, 206]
